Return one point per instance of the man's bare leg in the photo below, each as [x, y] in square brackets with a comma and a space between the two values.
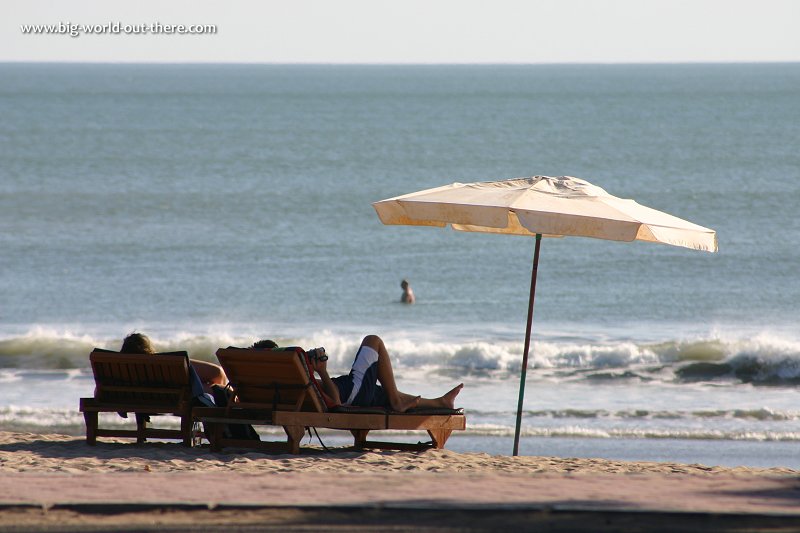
[446, 401]
[400, 401]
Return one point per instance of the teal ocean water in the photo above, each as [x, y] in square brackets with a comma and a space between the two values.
[210, 205]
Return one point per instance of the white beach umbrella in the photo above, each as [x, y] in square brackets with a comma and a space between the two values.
[541, 206]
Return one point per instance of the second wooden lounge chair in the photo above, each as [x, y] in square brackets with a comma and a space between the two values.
[275, 387]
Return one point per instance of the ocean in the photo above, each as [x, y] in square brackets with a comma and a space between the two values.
[213, 205]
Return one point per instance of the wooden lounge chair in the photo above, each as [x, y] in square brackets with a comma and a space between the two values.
[274, 387]
[145, 384]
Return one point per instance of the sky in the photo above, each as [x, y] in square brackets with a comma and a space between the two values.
[407, 31]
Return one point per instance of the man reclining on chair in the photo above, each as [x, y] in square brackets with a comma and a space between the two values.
[359, 387]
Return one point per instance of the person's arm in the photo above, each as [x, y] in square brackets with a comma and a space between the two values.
[328, 386]
[209, 373]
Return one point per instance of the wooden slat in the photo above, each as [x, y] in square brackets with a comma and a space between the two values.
[265, 406]
[404, 446]
[249, 371]
[401, 421]
[330, 420]
[142, 389]
[221, 414]
[152, 433]
[144, 408]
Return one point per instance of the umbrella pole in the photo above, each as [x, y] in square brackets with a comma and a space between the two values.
[524, 370]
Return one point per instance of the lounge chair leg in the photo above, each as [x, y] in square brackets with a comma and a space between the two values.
[360, 436]
[214, 434]
[90, 417]
[186, 430]
[439, 437]
[295, 435]
[141, 426]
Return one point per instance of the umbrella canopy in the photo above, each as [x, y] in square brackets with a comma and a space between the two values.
[541, 206]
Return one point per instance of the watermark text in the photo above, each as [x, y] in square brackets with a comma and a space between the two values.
[118, 28]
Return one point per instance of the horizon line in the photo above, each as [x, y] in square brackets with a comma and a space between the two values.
[401, 64]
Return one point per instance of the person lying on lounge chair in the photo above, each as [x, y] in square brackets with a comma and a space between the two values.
[209, 373]
[203, 375]
[360, 387]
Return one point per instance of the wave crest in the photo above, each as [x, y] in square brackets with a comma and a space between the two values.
[759, 360]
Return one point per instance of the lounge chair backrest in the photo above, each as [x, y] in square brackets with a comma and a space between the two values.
[267, 379]
[141, 379]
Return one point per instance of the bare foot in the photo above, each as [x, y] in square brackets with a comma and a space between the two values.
[448, 401]
[402, 407]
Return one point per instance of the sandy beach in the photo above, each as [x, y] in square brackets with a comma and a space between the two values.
[58, 483]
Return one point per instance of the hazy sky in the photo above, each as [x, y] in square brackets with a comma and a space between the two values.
[412, 31]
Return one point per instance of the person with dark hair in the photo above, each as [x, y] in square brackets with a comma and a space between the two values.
[264, 344]
[136, 343]
[370, 367]
[209, 374]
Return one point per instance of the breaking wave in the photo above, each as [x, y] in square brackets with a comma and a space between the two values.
[758, 360]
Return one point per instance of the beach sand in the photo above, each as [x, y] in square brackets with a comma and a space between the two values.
[58, 483]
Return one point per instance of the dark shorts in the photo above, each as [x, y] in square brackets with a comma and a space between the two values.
[363, 377]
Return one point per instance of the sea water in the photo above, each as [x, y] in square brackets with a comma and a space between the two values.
[213, 205]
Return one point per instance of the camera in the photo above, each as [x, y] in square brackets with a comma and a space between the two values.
[317, 354]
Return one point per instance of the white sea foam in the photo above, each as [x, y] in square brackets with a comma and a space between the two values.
[765, 358]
